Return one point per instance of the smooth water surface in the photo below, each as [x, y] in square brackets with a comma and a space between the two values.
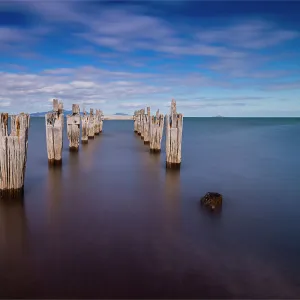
[112, 223]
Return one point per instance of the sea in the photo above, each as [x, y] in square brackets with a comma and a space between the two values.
[112, 222]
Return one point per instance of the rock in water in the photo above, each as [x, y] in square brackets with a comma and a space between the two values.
[212, 200]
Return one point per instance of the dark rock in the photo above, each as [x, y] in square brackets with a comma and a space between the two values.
[212, 200]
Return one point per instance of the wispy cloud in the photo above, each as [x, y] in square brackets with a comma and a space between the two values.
[25, 90]
[291, 85]
[251, 34]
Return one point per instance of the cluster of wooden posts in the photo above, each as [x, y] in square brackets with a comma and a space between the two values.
[13, 146]
[92, 125]
[150, 128]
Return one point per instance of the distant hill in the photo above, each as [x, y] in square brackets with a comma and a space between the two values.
[120, 114]
[42, 114]
[38, 114]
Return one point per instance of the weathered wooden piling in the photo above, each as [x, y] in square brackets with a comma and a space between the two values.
[135, 121]
[101, 121]
[73, 128]
[3, 120]
[142, 116]
[174, 125]
[97, 122]
[84, 126]
[156, 132]
[91, 125]
[54, 133]
[13, 154]
[147, 127]
[138, 123]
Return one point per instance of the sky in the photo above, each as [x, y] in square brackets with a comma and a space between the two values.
[225, 58]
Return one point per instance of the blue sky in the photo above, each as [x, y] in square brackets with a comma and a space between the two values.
[231, 58]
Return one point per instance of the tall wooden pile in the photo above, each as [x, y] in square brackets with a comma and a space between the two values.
[156, 132]
[135, 121]
[91, 125]
[13, 154]
[142, 116]
[84, 126]
[146, 127]
[101, 121]
[97, 120]
[174, 125]
[138, 122]
[54, 133]
[73, 128]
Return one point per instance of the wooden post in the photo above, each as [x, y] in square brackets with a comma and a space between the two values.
[54, 133]
[174, 125]
[3, 120]
[84, 131]
[147, 127]
[91, 125]
[142, 123]
[156, 132]
[73, 128]
[13, 154]
[138, 122]
[101, 121]
[97, 122]
[135, 121]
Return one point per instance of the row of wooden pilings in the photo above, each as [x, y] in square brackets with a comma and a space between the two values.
[13, 146]
[150, 128]
[92, 125]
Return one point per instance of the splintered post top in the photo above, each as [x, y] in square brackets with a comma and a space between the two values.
[60, 107]
[91, 111]
[148, 111]
[173, 113]
[75, 109]
[55, 105]
[173, 107]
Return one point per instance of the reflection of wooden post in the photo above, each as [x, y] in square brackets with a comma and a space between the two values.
[156, 132]
[73, 128]
[174, 125]
[84, 126]
[101, 121]
[142, 116]
[13, 231]
[54, 133]
[147, 127]
[135, 121]
[91, 126]
[13, 154]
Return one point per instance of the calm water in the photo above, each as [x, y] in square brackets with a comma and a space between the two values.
[113, 223]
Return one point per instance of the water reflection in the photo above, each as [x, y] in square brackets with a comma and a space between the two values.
[73, 165]
[54, 190]
[88, 152]
[13, 228]
[172, 198]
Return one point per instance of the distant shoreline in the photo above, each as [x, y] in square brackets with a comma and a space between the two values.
[118, 117]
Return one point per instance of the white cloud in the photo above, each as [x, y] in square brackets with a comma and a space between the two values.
[33, 91]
